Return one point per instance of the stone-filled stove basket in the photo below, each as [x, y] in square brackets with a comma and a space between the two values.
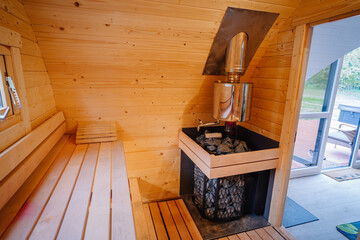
[264, 153]
[220, 199]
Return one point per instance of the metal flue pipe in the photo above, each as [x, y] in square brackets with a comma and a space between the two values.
[235, 54]
[232, 99]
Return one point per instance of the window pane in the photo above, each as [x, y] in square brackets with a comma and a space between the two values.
[314, 91]
[306, 150]
[3, 87]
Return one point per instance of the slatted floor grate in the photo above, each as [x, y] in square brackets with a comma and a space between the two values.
[171, 220]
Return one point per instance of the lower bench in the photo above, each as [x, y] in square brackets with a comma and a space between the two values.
[84, 194]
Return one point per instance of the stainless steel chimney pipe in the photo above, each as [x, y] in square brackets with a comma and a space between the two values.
[235, 54]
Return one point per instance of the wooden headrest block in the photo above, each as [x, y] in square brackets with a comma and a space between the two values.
[92, 132]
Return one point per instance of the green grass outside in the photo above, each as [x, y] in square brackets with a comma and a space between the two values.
[313, 99]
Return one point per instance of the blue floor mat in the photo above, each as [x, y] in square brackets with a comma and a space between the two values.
[295, 214]
[349, 230]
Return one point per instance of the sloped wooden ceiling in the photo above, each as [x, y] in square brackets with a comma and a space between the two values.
[140, 63]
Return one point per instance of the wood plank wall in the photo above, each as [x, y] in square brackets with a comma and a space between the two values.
[316, 11]
[38, 87]
[270, 79]
[140, 62]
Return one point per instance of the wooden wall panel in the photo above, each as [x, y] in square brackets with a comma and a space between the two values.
[38, 87]
[140, 63]
[270, 80]
[312, 11]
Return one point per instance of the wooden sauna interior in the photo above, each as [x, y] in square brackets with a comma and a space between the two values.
[139, 63]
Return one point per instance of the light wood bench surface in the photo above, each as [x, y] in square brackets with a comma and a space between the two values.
[84, 194]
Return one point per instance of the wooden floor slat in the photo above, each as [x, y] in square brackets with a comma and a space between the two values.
[25, 220]
[50, 219]
[179, 222]
[273, 233]
[169, 222]
[158, 221]
[75, 217]
[253, 235]
[233, 237]
[190, 224]
[243, 236]
[98, 223]
[149, 222]
[263, 234]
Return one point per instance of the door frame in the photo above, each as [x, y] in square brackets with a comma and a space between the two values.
[291, 115]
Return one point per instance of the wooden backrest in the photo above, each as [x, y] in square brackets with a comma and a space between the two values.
[18, 161]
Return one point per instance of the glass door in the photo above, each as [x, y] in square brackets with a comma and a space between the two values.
[315, 117]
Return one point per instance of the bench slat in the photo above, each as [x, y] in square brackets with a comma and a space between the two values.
[98, 224]
[15, 154]
[75, 217]
[16, 178]
[51, 217]
[23, 223]
[122, 218]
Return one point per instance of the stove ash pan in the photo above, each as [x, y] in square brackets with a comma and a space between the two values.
[219, 199]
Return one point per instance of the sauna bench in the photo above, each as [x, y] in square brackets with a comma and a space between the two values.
[264, 157]
[83, 194]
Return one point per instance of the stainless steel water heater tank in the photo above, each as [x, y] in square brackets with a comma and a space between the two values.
[232, 101]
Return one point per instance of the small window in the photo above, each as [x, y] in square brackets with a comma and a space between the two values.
[9, 100]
